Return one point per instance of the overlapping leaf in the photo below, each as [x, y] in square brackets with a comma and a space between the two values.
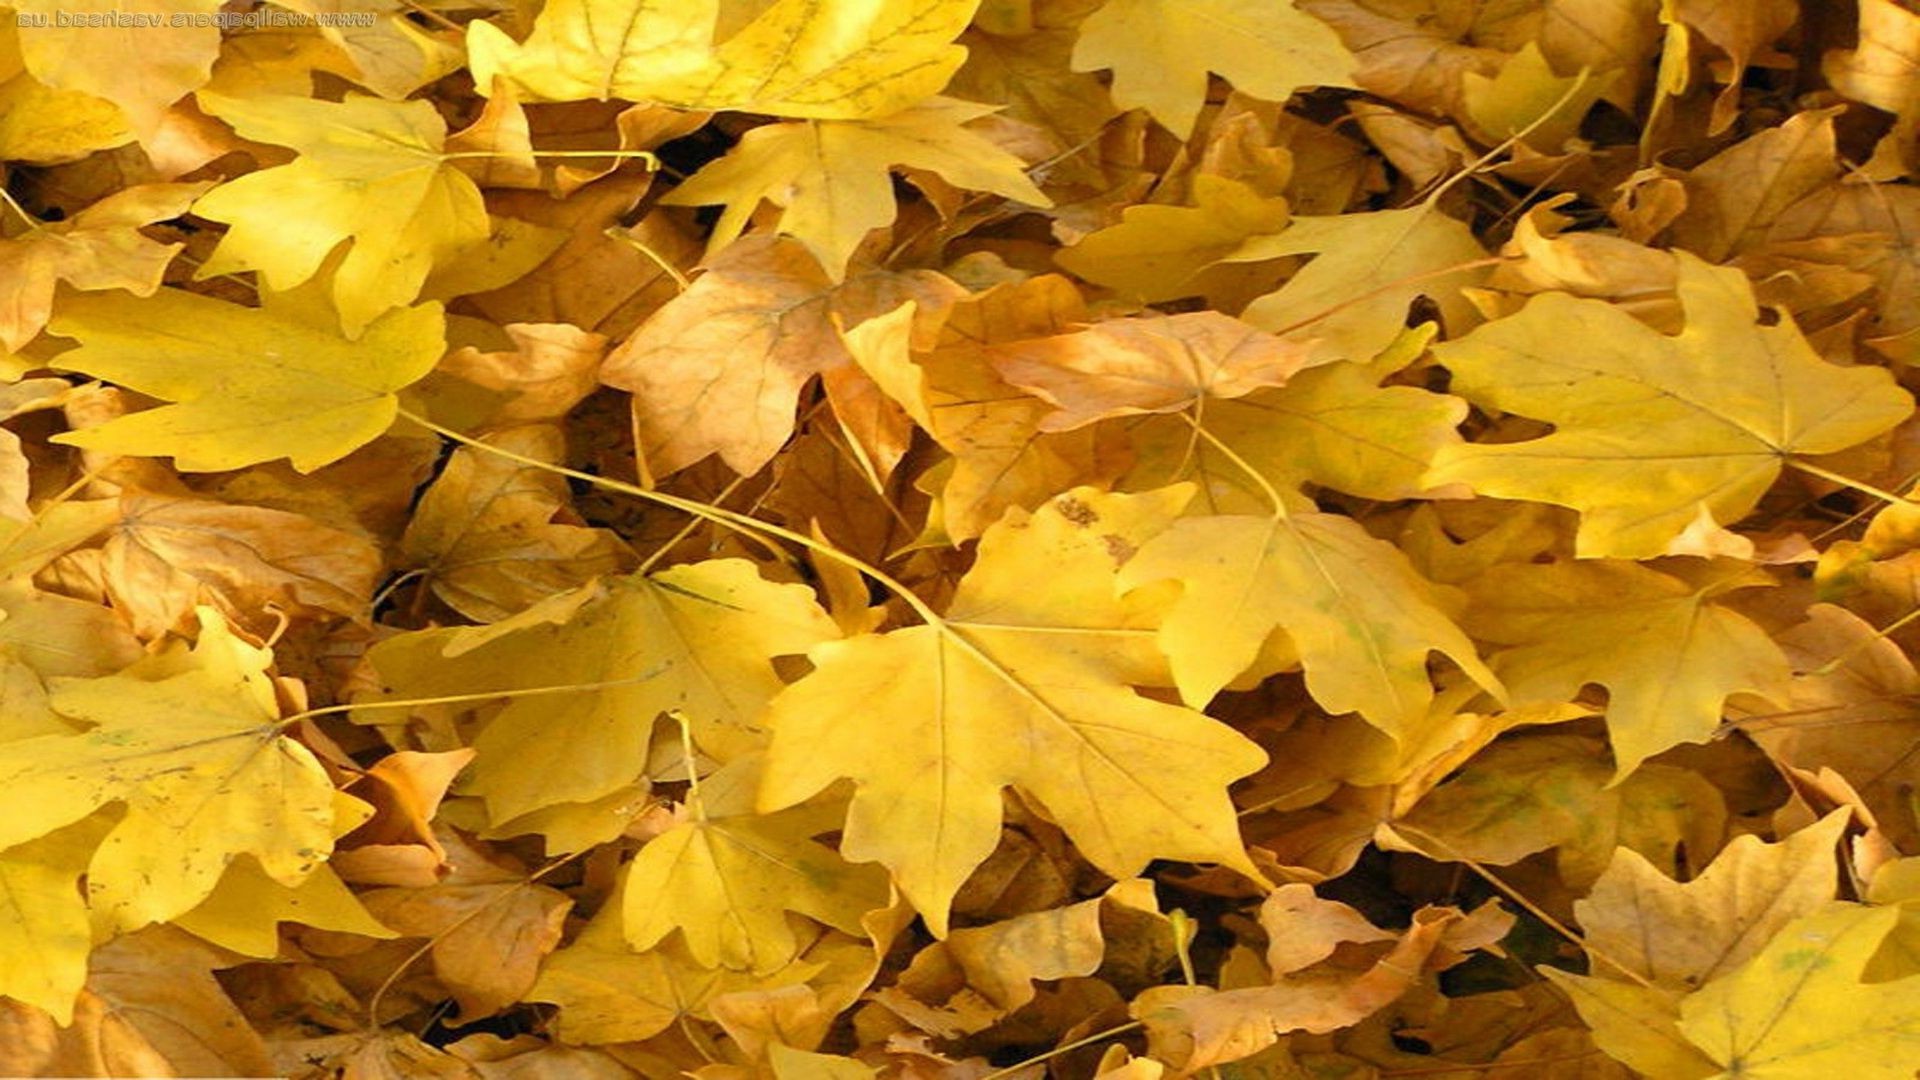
[245, 384]
[191, 746]
[1651, 429]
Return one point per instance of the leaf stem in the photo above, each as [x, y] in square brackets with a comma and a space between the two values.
[1850, 651]
[1860, 486]
[379, 995]
[1098, 1036]
[715, 514]
[32, 222]
[1452, 855]
[1272, 493]
[620, 235]
[465, 155]
[458, 699]
[1510, 141]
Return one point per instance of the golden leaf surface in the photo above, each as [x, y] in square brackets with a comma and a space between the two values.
[1717, 410]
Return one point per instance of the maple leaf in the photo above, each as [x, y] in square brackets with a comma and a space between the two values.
[1519, 796]
[1200, 1027]
[388, 52]
[726, 877]
[1418, 53]
[1716, 410]
[918, 719]
[719, 370]
[1125, 367]
[490, 926]
[492, 534]
[190, 744]
[852, 60]
[1159, 253]
[997, 966]
[370, 173]
[47, 126]
[1367, 271]
[1078, 603]
[1653, 939]
[1021, 63]
[141, 66]
[1668, 656]
[1884, 71]
[695, 638]
[1001, 458]
[168, 556]
[1799, 1008]
[1686, 935]
[1527, 96]
[1734, 197]
[247, 384]
[1332, 424]
[1362, 619]
[594, 48]
[44, 936]
[97, 249]
[245, 910]
[1161, 51]
[832, 178]
[609, 993]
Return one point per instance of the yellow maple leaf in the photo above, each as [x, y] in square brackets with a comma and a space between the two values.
[1333, 425]
[190, 743]
[697, 638]
[848, 60]
[1653, 939]
[44, 936]
[922, 719]
[1161, 51]
[492, 535]
[726, 877]
[1362, 618]
[1651, 428]
[1163, 364]
[370, 173]
[126, 51]
[1522, 795]
[833, 179]
[719, 369]
[1884, 71]
[1078, 602]
[1800, 1009]
[1158, 253]
[1367, 270]
[607, 992]
[246, 908]
[247, 384]
[1528, 96]
[595, 48]
[1667, 654]
[1001, 458]
[100, 248]
[43, 125]
[1687, 934]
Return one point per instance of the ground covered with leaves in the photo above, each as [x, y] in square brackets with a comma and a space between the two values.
[778, 540]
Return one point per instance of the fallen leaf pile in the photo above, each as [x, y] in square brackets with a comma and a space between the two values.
[975, 539]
